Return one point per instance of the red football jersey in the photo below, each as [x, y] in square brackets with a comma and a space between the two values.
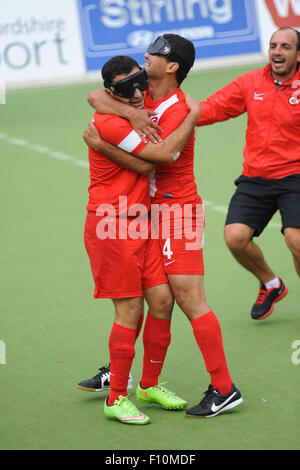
[109, 181]
[176, 180]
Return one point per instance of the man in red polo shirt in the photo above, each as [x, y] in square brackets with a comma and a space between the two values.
[270, 179]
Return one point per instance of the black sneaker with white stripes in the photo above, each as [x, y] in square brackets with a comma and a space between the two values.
[214, 403]
[101, 381]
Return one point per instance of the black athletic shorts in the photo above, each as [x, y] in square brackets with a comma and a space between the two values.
[256, 200]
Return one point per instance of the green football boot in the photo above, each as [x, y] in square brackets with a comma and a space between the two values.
[125, 411]
[161, 395]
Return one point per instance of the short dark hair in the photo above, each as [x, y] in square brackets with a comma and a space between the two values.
[298, 34]
[119, 65]
[185, 51]
[292, 29]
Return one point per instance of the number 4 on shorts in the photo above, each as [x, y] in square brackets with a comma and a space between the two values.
[167, 248]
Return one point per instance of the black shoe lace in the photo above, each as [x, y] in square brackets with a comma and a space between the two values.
[103, 370]
[209, 391]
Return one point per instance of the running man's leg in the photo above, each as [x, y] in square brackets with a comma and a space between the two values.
[238, 238]
[189, 293]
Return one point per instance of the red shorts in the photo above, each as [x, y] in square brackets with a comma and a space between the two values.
[181, 233]
[122, 268]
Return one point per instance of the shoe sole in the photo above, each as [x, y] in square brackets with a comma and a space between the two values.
[226, 408]
[139, 421]
[87, 389]
[128, 421]
[171, 407]
[280, 297]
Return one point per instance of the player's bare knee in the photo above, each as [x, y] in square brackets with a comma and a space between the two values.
[128, 311]
[235, 238]
[292, 238]
[160, 301]
[181, 296]
[163, 305]
[190, 302]
[166, 305]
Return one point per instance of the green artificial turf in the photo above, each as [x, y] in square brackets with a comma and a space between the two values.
[56, 334]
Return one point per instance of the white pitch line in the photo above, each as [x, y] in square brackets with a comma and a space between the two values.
[224, 210]
[82, 163]
[44, 150]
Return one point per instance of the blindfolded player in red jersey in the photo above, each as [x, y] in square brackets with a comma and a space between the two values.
[127, 266]
[167, 62]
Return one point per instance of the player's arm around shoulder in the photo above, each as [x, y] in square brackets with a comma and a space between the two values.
[93, 138]
[167, 150]
[139, 119]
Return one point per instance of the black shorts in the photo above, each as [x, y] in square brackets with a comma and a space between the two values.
[256, 200]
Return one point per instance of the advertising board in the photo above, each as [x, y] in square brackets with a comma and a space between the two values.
[40, 41]
[275, 14]
[217, 28]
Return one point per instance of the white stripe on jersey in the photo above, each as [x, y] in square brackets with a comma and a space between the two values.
[159, 112]
[130, 142]
[165, 105]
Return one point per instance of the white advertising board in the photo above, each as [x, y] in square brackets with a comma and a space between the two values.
[273, 14]
[40, 41]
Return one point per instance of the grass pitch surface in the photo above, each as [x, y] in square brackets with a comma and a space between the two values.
[56, 334]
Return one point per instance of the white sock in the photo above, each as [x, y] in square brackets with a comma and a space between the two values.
[274, 283]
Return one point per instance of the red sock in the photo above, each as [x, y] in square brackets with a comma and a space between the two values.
[121, 351]
[207, 332]
[156, 339]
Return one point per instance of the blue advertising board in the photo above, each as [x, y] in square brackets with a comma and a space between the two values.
[126, 27]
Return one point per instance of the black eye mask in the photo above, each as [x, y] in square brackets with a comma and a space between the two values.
[127, 86]
[161, 47]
